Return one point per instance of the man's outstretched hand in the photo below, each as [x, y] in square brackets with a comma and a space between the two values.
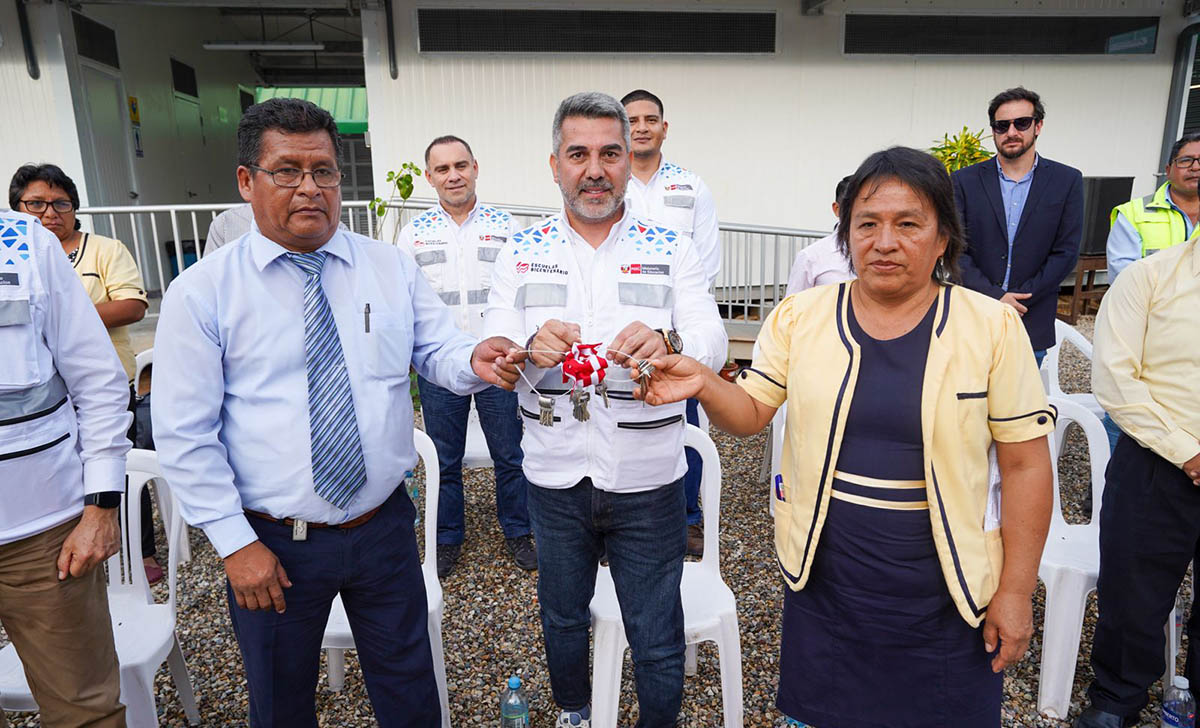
[498, 361]
[676, 377]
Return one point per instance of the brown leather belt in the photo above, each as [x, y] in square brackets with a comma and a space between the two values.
[352, 523]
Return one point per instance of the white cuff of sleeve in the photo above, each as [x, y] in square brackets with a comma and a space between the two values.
[230, 534]
[102, 475]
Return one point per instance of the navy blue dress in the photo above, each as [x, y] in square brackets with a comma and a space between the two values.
[874, 639]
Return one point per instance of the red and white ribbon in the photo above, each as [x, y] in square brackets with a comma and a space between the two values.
[583, 365]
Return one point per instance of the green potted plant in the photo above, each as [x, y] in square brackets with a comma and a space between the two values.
[961, 150]
[400, 185]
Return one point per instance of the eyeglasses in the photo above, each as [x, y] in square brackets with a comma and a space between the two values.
[1000, 126]
[1185, 162]
[292, 177]
[37, 207]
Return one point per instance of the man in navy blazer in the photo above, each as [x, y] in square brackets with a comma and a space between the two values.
[1023, 215]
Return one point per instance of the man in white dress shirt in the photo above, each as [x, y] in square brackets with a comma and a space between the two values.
[596, 273]
[64, 412]
[284, 424]
[822, 262]
[455, 243]
[677, 198]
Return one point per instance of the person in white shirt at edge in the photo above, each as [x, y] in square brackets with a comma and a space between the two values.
[822, 262]
[455, 243]
[596, 273]
[284, 423]
[677, 198]
[64, 412]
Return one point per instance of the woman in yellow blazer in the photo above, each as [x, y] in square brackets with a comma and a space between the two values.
[910, 571]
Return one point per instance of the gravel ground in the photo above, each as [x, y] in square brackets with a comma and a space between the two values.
[491, 628]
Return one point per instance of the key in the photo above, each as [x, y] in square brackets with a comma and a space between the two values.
[602, 390]
[579, 398]
[299, 530]
[645, 369]
[545, 410]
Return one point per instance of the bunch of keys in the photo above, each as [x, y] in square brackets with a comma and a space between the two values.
[545, 410]
[579, 399]
[645, 369]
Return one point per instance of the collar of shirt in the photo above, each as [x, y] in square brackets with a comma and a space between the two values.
[441, 210]
[263, 250]
[1028, 175]
[633, 180]
[613, 233]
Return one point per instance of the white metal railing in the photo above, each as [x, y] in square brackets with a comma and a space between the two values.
[755, 259]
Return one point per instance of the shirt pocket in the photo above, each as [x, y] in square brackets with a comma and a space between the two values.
[18, 341]
[679, 212]
[432, 263]
[389, 345]
[651, 302]
[644, 446]
[541, 301]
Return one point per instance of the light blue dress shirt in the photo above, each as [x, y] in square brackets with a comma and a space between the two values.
[230, 398]
[1014, 194]
[1125, 244]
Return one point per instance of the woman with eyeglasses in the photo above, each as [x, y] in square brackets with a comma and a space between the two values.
[910, 566]
[108, 273]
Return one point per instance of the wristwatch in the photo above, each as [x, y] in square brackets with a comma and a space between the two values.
[673, 341]
[107, 499]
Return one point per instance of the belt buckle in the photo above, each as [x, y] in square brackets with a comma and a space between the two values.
[299, 530]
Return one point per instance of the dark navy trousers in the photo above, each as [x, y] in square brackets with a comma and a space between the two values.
[376, 569]
[1149, 533]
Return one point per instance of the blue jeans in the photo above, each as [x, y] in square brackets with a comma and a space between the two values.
[376, 570]
[1113, 432]
[646, 537]
[1038, 356]
[446, 424]
[691, 481]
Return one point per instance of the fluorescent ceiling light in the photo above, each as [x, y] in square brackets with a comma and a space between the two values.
[261, 45]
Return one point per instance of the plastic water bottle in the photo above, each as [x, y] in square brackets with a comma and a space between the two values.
[1178, 705]
[514, 708]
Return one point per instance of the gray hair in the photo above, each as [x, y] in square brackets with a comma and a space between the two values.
[589, 105]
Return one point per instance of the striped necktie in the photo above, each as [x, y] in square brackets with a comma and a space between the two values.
[337, 459]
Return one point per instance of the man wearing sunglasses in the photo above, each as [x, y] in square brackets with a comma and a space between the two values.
[1023, 215]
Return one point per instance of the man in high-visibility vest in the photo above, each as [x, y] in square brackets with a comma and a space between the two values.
[1145, 225]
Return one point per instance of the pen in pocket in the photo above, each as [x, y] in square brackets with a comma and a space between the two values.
[367, 319]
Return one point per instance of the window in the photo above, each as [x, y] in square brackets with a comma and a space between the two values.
[473, 30]
[1004, 35]
[95, 41]
[183, 78]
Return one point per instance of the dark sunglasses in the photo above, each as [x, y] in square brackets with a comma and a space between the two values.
[1000, 126]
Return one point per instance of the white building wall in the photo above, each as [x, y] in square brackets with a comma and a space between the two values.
[36, 119]
[771, 135]
[147, 38]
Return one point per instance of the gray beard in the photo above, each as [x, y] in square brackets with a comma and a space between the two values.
[592, 214]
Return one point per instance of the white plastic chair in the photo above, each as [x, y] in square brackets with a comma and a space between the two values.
[166, 506]
[338, 637]
[1050, 371]
[709, 611]
[141, 361]
[1070, 567]
[144, 631]
[476, 453]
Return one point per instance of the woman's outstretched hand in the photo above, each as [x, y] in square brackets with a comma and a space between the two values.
[676, 377]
